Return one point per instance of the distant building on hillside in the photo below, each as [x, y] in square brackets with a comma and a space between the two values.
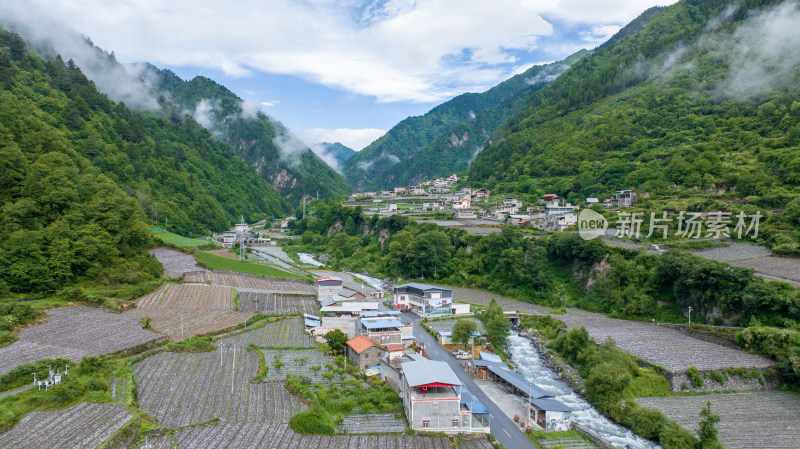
[623, 198]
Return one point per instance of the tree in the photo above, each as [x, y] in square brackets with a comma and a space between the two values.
[336, 340]
[708, 431]
[462, 331]
[497, 325]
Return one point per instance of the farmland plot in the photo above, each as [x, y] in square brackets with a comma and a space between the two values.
[74, 333]
[480, 443]
[284, 333]
[223, 253]
[184, 296]
[736, 251]
[372, 423]
[179, 389]
[298, 363]
[252, 283]
[175, 262]
[664, 346]
[277, 303]
[83, 425]
[278, 436]
[777, 267]
[752, 419]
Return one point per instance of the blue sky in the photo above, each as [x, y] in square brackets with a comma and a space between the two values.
[346, 70]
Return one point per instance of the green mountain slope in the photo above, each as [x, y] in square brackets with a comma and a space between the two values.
[172, 166]
[337, 152]
[287, 164]
[446, 139]
[702, 101]
[61, 219]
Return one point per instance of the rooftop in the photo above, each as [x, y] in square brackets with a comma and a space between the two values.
[423, 287]
[550, 405]
[362, 343]
[520, 383]
[424, 372]
[381, 323]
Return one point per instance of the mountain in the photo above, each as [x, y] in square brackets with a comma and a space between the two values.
[698, 107]
[446, 139]
[173, 168]
[286, 163]
[337, 152]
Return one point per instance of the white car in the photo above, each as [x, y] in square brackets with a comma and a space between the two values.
[461, 354]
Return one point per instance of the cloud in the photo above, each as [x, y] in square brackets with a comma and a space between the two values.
[290, 146]
[356, 139]
[598, 34]
[393, 50]
[205, 113]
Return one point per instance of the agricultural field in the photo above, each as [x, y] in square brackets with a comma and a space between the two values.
[84, 425]
[348, 280]
[179, 389]
[73, 333]
[309, 363]
[664, 346]
[175, 262]
[778, 267]
[748, 420]
[277, 303]
[736, 251]
[216, 262]
[184, 310]
[224, 253]
[278, 436]
[177, 240]
[284, 333]
[372, 423]
[480, 443]
[483, 298]
[244, 282]
[185, 296]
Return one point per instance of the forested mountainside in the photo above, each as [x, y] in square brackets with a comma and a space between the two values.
[340, 153]
[446, 139]
[700, 106]
[82, 178]
[287, 164]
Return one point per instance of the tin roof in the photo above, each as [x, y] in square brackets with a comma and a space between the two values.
[550, 405]
[422, 372]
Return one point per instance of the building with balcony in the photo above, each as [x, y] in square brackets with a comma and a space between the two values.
[423, 299]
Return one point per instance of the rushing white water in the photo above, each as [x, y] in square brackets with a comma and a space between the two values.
[309, 259]
[531, 367]
[373, 282]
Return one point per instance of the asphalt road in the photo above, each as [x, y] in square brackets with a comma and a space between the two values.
[503, 429]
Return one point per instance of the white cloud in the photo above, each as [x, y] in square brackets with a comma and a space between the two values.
[356, 139]
[598, 34]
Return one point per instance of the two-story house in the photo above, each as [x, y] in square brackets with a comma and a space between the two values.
[423, 299]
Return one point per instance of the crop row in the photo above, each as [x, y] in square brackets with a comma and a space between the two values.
[180, 323]
[280, 437]
[665, 346]
[752, 419]
[188, 388]
[185, 296]
[372, 423]
[83, 425]
[277, 303]
[243, 282]
[74, 333]
[284, 333]
[310, 363]
[175, 262]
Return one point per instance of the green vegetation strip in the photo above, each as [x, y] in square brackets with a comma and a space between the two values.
[223, 263]
[179, 241]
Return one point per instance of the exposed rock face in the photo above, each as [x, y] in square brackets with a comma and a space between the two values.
[456, 141]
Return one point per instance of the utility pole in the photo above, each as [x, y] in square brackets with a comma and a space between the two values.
[690, 316]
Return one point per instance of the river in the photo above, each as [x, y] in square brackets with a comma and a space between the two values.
[530, 365]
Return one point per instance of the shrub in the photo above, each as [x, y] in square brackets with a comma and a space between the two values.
[694, 377]
[315, 420]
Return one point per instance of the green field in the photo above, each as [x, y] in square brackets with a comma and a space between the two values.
[176, 240]
[223, 263]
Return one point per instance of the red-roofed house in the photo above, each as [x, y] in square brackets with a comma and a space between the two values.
[364, 352]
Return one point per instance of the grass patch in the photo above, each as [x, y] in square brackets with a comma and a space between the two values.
[697, 245]
[193, 344]
[216, 262]
[175, 240]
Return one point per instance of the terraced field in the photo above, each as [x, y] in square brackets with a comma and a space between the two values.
[736, 251]
[772, 266]
[223, 253]
[296, 363]
[188, 388]
[748, 420]
[373, 423]
[184, 310]
[277, 303]
[81, 426]
[284, 333]
[175, 262]
[244, 282]
[277, 436]
[74, 333]
[664, 346]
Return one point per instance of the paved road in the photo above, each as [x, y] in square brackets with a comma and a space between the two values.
[503, 429]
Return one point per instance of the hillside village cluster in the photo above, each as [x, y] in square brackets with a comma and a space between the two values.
[553, 213]
[381, 343]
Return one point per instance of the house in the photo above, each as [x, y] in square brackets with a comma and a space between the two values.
[364, 352]
[466, 214]
[481, 194]
[560, 217]
[423, 299]
[592, 201]
[431, 394]
[329, 286]
[462, 203]
[227, 240]
[549, 414]
[623, 198]
[417, 191]
[458, 308]
[548, 197]
[400, 190]
[386, 331]
[511, 205]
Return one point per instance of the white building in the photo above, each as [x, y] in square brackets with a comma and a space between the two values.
[423, 299]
